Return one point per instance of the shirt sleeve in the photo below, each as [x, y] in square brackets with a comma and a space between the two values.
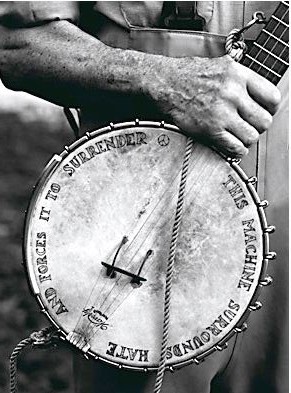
[34, 13]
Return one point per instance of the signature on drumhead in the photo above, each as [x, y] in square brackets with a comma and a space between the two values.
[96, 317]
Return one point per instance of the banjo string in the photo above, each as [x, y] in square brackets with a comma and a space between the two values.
[201, 174]
[197, 162]
[149, 230]
[114, 250]
[258, 161]
[175, 232]
[130, 244]
[190, 190]
[273, 47]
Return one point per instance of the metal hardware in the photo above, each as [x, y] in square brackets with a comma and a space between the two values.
[242, 328]
[256, 306]
[270, 229]
[263, 204]
[221, 347]
[252, 180]
[233, 160]
[266, 281]
[271, 255]
[182, 15]
[258, 18]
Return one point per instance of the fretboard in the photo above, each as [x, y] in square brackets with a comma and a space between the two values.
[269, 54]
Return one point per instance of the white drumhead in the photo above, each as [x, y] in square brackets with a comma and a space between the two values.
[123, 182]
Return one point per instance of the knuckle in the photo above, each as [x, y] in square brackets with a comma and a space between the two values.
[235, 92]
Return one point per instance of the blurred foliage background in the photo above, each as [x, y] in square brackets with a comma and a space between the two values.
[31, 131]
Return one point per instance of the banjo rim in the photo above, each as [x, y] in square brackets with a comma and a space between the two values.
[260, 206]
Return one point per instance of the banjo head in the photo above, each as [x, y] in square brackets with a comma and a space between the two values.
[97, 237]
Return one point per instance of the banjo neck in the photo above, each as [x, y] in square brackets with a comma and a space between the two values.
[269, 55]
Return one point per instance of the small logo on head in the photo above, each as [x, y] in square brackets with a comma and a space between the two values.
[96, 317]
[163, 140]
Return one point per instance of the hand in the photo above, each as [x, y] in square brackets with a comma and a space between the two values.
[218, 101]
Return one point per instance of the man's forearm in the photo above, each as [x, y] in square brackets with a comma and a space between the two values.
[217, 100]
[61, 63]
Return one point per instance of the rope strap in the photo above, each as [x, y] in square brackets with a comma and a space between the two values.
[170, 266]
[234, 45]
[43, 337]
[236, 48]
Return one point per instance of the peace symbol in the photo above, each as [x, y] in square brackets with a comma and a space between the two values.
[163, 140]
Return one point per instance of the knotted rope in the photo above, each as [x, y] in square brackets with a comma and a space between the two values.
[40, 338]
[235, 45]
[170, 266]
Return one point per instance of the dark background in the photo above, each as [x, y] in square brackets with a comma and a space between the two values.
[31, 130]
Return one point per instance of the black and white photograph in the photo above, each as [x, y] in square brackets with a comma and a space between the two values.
[144, 180]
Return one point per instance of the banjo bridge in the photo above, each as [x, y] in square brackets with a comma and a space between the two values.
[136, 279]
[111, 272]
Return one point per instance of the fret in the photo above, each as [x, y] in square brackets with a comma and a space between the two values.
[276, 38]
[282, 12]
[271, 54]
[273, 46]
[264, 58]
[279, 20]
[278, 30]
[264, 66]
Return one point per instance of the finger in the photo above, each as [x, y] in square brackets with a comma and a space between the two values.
[254, 114]
[228, 144]
[263, 92]
[242, 130]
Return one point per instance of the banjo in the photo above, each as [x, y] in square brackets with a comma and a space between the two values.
[106, 218]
